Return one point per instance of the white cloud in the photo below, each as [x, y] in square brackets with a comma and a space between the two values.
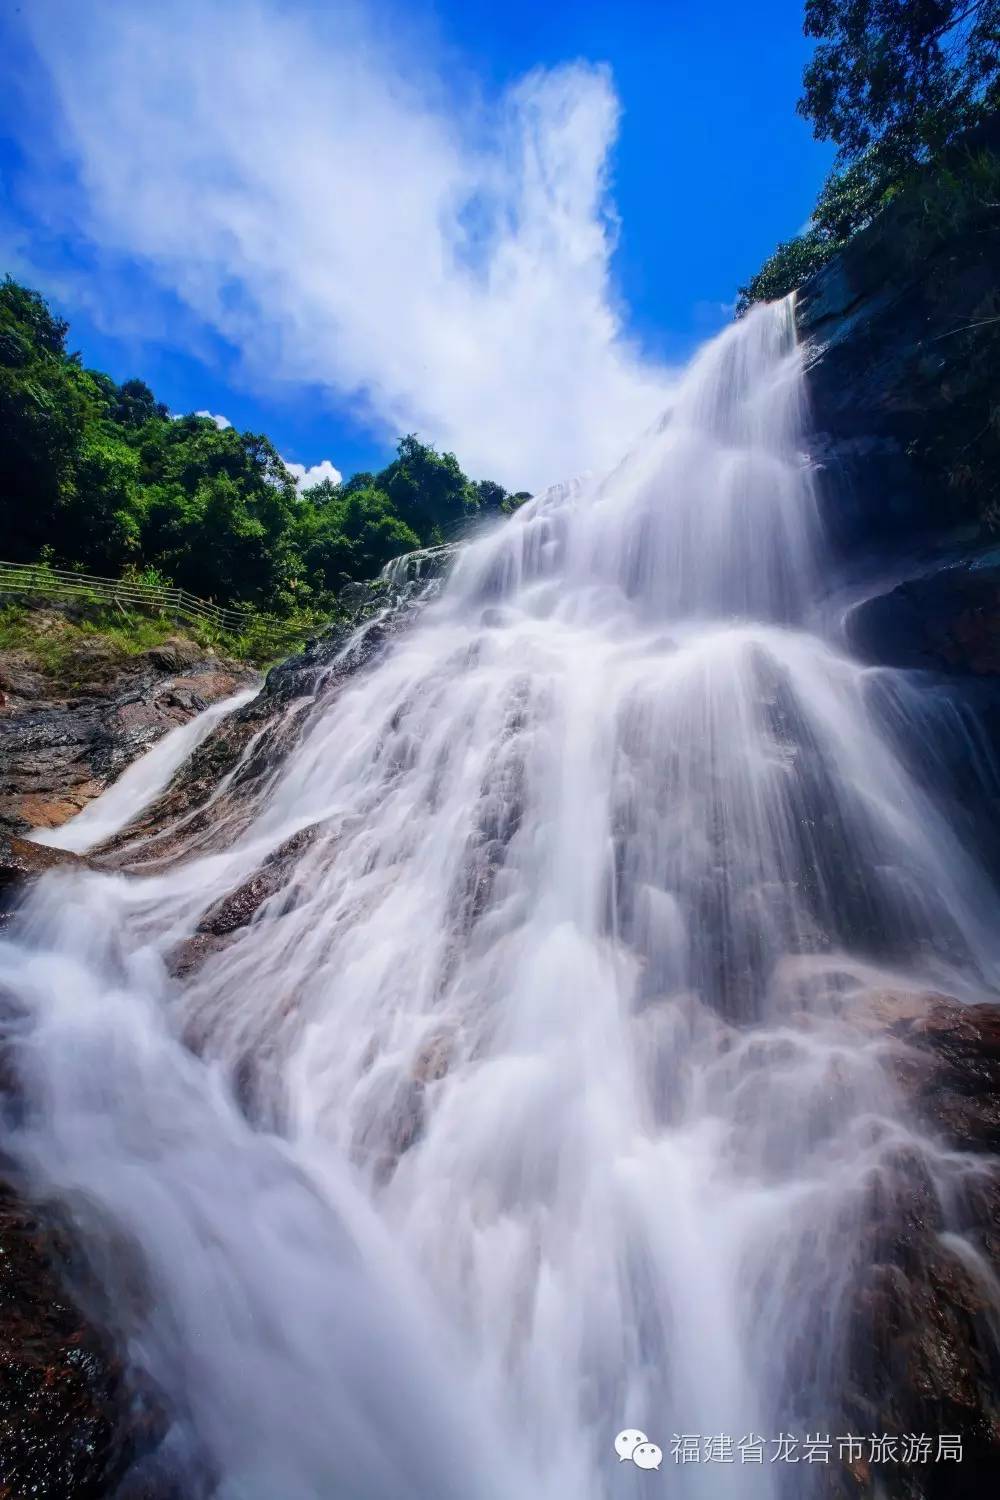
[220, 422]
[304, 477]
[710, 316]
[327, 207]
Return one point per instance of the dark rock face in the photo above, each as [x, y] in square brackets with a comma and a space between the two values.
[57, 752]
[888, 382]
[950, 1070]
[920, 1351]
[900, 338]
[60, 1384]
[22, 861]
[946, 620]
[241, 906]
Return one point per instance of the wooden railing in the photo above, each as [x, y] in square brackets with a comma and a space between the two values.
[59, 583]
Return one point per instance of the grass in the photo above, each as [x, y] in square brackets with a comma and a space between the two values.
[61, 645]
[72, 644]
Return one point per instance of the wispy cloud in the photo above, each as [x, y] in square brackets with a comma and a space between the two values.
[710, 316]
[220, 422]
[305, 478]
[346, 221]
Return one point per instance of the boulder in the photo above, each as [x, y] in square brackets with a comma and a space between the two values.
[946, 619]
[22, 861]
[919, 1355]
[71, 1423]
[58, 752]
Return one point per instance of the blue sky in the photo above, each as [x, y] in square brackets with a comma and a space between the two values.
[503, 226]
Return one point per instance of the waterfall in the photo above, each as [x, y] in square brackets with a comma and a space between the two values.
[140, 782]
[537, 1102]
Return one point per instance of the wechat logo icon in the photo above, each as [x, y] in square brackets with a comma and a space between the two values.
[633, 1446]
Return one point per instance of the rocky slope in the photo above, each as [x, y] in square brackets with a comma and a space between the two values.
[902, 402]
[72, 1421]
[75, 711]
[903, 335]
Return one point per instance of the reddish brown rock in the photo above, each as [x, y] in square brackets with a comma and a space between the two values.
[919, 1347]
[60, 747]
[22, 861]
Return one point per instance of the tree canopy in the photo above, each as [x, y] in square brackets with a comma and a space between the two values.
[899, 77]
[99, 475]
[892, 83]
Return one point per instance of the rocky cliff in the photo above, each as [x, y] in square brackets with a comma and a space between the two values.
[901, 336]
[902, 330]
[76, 710]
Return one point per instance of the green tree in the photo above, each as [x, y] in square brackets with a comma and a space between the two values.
[100, 523]
[347, 532]
[427, 489]
[219, 512]
[99, 474]
[899, 78]
[515, 501]
[786, 269]
[490, 497]
[45, 403]
[28, 312]
[134, 404]
[892, 83]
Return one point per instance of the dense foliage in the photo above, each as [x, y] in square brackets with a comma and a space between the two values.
[899, 76]
[892, 83]
[99, 476]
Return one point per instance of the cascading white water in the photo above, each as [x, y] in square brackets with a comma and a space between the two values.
[141, 782]
[533, 1106]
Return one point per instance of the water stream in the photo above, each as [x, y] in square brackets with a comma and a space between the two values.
[140, 783]
[535, 1105]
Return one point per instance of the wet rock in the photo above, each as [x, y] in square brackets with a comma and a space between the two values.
[187, 958]
[58, 752]
[70, 1422]
[239, 907]
[22, 861]
[900, 372]
[947, 620]
[958, 1087]
[918, 1346]
[433, 1059]
[180, 815]
[920, 1363]
[881, 1011]
[174, 654]
[20, 681]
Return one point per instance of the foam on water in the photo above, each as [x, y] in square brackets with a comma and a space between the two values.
[532, 1107]
[141, 782]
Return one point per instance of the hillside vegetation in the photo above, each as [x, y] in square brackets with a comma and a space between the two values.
[907, 92]
[99, 477]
